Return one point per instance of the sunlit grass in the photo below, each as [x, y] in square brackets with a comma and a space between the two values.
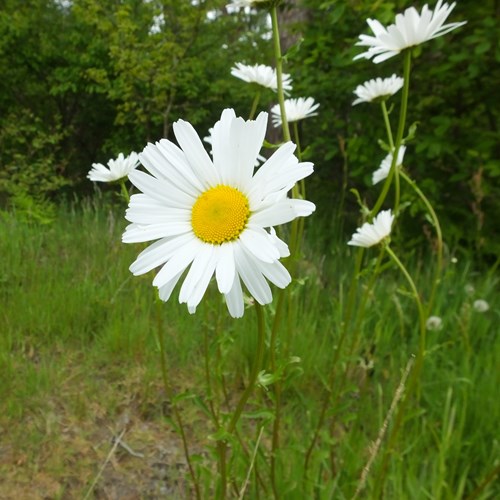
[79, 360]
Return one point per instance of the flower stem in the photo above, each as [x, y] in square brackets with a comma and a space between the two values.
[279, 72]
[169, 393]
[255, 103]
[394, 172]
[439, 236]
[231, 428]
[124, 190]
[414, 378]
[261, 335]
[387, 122]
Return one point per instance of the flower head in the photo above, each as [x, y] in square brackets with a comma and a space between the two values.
[295, 109]
[212, 215]
[370, 234]
[385, 167]
[410, 29]
[378, 89]
[434, 323]
[262, 75]
[117, 169]
[480, 305]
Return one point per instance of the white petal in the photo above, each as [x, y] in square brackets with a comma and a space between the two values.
[256, 242]
[196, 155]
[234, 299]
[158, 253]
[198, 277]
[137, 233]
[161, 190]
[225, 270]
[177, 264]
[166, 290]
[252, 277]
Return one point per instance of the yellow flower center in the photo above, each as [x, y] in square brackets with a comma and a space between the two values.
[220, 214]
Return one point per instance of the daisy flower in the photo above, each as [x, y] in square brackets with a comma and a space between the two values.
[410, 29]
[295, 109]
[262, 75]
[480, 305]
[385, 167]
[370, 234]
[215, 215]
[378, 89]
[117, 169]
[434, 323]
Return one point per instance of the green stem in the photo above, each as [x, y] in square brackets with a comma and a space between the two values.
[387, 122]
[277, 387]
[413, 384]
[394, 172]
[261, 335]
[169, 392]
[124, 190]
[439, 236]
[279, 72]
[329, 388]
[255, 103]
[231, 428]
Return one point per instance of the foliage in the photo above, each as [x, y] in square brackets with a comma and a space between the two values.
[89, 79]
[79, 362]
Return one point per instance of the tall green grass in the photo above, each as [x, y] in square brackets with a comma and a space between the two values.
[78, 346]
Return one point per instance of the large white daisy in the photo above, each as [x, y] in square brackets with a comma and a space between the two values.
[295, 109]
[377, 89]
[215, 216]
[410, 29]
[117, 169]
[370, 234]
[261, 75]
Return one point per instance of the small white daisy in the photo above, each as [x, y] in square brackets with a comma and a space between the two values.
[262, 75]
[117, 169]
[410, 29]
[370, 234]
[434, 323]
[385, 167]
[212, 215]
[378, 89]
[480, 305]
[295, 109]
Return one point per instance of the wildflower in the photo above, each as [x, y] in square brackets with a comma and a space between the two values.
[385, 167]
[480, 305]
[370, 234]
[118, 169]
[261, 75]
[469, 289]
[410, 29]
[434, 323]
[295, 109]
[378, 89]
[212, 215]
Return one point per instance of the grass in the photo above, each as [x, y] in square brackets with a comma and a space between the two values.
[79, 363]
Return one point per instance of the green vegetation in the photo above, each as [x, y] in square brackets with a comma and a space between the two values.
[79, 363]
[116, 86]
[376, 369]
